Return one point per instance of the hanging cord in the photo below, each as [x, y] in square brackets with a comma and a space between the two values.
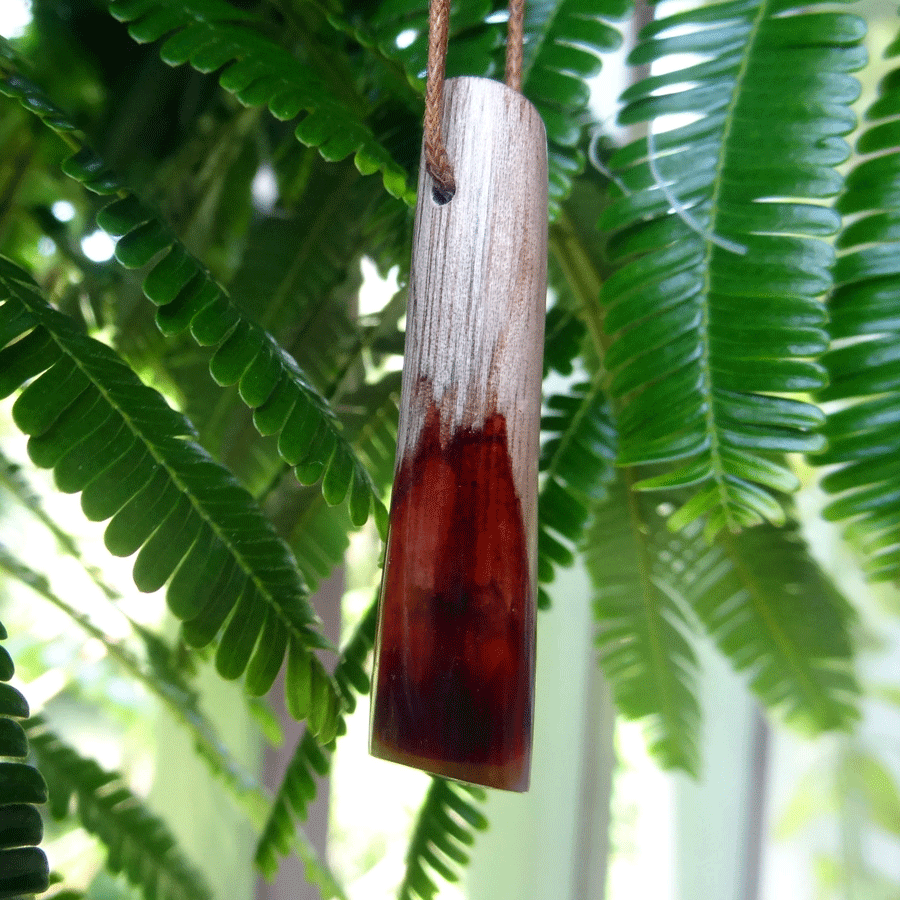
[436, 160]
[437, 163]
[515, 37]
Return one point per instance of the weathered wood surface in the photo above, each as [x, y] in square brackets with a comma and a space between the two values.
[453, 688]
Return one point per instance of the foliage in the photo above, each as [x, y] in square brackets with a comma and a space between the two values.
[138, 843]
[863, 371]
[215, 396]
[445, 827]
[23, 865]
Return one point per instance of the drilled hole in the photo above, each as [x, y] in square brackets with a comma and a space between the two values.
[440, 196]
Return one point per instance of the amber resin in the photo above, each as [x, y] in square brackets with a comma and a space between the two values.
[453, 691]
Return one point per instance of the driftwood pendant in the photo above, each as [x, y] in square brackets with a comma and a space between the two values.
[453, 688]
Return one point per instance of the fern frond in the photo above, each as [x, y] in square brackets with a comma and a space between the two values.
[159, 678]
[564, 335]
[189, 299]
[777, 616]
[862, 427]
[445, 828]
[772, 611]
[137, 842]
[564, 40]
[23, 865]
[716, 311]
[643, 634]
[211, 34]
[318, 534]
[291, 265]
[109, 436]
[577, 461]
[370, 415]
[283, 401]
[311, 759]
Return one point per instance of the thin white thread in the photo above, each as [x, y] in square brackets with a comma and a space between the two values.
[598, 164]
[680, 209]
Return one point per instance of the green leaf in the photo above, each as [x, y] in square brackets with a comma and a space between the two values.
[209, 35]
[189, 299]
[23, 865]
[863, 438]
[777, 616]
[643, 636]
[471, 48]
[444, 830]
[577, 463]
[161, 677]
[193, 525]
[280, 834]
[715, 310]
[564, 42]
[879, 788]
[809, 801]
[137, 842]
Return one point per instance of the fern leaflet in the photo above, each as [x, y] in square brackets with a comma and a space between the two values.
[130, 455]
[159, 678]
[864, 373]
[23, 865]
[211, 34]
[643, 634]
[311, 759]
[716, 311]
[443, 831]
[137, 842]
[564, 40]
[577, 464]
[269, 381]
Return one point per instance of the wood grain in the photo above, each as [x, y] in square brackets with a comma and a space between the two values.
[453, 691]
[478, 284]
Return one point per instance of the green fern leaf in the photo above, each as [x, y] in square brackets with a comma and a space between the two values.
[23, 865]
[269, 381]
[716, 310]
[772, 611]
[291, 269]
[564, 336]
[778, 617]
[107, 435]
[864, 440]
[643, 635]
[577, 462]
[137, 842]
[370, 414]
[161, 678]
[445, 828]
[318, 534]
[210, 35]
[563, 43]
[311, 760]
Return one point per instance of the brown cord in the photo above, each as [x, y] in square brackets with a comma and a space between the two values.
[437, 163]
[514, 39]
[436, 160]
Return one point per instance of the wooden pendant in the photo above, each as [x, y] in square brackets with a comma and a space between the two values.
[453, 688]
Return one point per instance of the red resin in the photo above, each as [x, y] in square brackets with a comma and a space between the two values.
[454, 680]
